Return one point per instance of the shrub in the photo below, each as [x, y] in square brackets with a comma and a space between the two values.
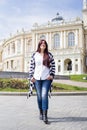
[13, 83]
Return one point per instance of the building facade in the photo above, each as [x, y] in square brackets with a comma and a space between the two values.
[67, 41]
[0, 58]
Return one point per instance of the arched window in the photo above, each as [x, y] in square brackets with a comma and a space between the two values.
[56, 41]
[8, 49]
[28, 45]
[12, 64]
[7, 64]
[59, 68]
[71, 39]
[18, 46]
[13, 47]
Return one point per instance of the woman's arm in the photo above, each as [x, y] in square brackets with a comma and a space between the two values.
[52, 65]
[32, 67]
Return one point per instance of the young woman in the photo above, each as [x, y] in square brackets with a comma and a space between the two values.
[42, 71]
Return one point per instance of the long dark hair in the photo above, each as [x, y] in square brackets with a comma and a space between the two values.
[46, 59]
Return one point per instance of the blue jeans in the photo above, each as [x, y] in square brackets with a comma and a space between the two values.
[42, 89]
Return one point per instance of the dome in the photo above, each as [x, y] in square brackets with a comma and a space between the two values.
[57, 18]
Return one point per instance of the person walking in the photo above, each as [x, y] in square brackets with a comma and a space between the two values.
[41, 73]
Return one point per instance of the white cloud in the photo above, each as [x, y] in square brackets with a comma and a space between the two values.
[16, 9]
[19, 14]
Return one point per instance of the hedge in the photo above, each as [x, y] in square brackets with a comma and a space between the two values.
[14, 83]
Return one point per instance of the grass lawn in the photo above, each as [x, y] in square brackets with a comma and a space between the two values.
[57, 87]
[8, 89]
[78, 77]
[65, 87]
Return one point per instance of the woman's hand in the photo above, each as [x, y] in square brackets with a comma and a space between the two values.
[33, 79]
[50, 77]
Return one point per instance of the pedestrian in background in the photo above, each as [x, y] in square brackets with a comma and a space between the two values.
[41, 73]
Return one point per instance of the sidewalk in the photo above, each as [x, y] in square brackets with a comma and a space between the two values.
[65, 113]
[70, 82]
[81, 93]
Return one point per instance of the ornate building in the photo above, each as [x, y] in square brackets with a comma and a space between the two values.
[0, 58]
[67, 40]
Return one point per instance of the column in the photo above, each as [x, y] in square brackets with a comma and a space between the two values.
[56, 66]
[61, 40]
[10, 69]
[79, 66]
[47, 38]
[64, 39]
[22, 46]
[76, 38]
[10, 48]
[16, 47]
[62, 66]
[81, 39]
[33, 42]
[50, 41]
[6, 53]
[73, 66]
[36, 42]
[84, 4]
[85, 41]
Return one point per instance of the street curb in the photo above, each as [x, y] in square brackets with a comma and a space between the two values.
[69, 93]
[52, 94]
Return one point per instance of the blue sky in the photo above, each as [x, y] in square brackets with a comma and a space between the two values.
[18, 14]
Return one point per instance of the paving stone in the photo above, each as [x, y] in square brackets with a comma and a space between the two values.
[65, 113]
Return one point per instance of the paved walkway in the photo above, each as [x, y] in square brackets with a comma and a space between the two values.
[70, 82]
[65, 113]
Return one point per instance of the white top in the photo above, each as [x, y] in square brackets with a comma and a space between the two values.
[41, 71]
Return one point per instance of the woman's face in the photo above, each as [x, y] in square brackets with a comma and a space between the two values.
[43, 46]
